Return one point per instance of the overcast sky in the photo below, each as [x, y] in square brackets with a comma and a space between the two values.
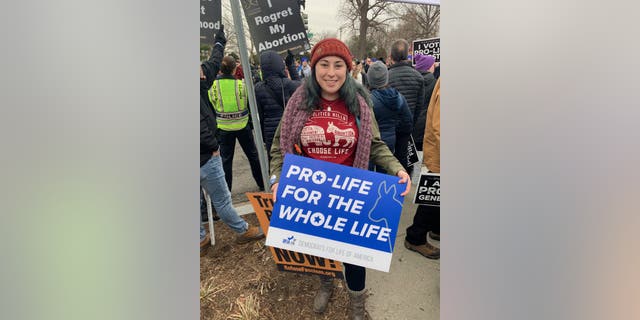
[323, 15]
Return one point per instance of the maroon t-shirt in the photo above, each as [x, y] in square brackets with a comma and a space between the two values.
[331, 133]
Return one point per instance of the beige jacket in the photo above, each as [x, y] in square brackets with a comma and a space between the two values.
[431, 143]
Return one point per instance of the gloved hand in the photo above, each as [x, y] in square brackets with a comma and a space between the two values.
[220, 38]
[290, 58]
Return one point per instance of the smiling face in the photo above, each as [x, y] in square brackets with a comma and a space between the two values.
[331, 73]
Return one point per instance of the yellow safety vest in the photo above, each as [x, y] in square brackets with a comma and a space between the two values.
[228, 98]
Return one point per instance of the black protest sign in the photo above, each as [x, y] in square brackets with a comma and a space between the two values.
[426, 47]
[412, 152]
[210, 17]
[276, 25]
[287, 260]
[428, 192]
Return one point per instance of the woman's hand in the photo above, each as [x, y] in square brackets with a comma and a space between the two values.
[274, 188]
[404, 178]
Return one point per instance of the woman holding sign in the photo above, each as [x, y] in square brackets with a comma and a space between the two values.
[330, 118]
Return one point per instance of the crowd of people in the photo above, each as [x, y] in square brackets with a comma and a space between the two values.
[384, 103]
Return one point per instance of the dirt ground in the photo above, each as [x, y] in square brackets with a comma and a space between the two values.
[243, 282]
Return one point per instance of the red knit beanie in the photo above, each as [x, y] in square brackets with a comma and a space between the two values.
[330, 47]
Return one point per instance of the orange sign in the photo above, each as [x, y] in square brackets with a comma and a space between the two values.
[288, 260]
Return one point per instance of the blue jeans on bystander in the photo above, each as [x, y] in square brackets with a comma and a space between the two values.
[212, 179]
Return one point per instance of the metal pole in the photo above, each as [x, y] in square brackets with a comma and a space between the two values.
[244, 57]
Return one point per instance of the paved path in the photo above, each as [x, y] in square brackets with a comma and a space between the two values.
[411, 288]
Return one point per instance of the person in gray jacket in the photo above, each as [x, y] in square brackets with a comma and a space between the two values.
[410, 83]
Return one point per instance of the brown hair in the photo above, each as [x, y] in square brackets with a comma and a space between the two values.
[356, 72]
[228, 64]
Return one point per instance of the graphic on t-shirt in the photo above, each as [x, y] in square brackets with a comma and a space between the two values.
[315, 135]
[330, 134]
[348, 135]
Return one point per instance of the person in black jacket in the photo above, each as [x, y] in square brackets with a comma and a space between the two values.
[410, 83]
[274, 91]
[426, 66]
[212, 177]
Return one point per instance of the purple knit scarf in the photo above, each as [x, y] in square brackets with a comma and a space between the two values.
[294, 118]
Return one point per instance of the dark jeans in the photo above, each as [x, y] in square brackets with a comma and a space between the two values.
[427, 219]
[227, 141]
[355, 276]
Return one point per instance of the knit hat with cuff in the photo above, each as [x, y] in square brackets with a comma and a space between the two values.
[330, 47]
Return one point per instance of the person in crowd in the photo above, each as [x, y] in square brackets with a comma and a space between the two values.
[367, 64]
[436, 72]
[306, 70]
[239, 73]
[426, 221]
[330, 97]
[256, 73]
[229, 99]
[410, 83]
[274, 91]
[299, 68]
[211, 172]
[357, 74]
[287, 74]
[390, 108]
[426, 65]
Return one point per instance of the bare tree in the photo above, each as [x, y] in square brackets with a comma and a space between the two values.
[418, 22]
[363, 16]
[231, 33]
[322, 35]
[429, 19]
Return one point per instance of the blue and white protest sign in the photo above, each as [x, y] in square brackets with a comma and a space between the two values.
[336, 212]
